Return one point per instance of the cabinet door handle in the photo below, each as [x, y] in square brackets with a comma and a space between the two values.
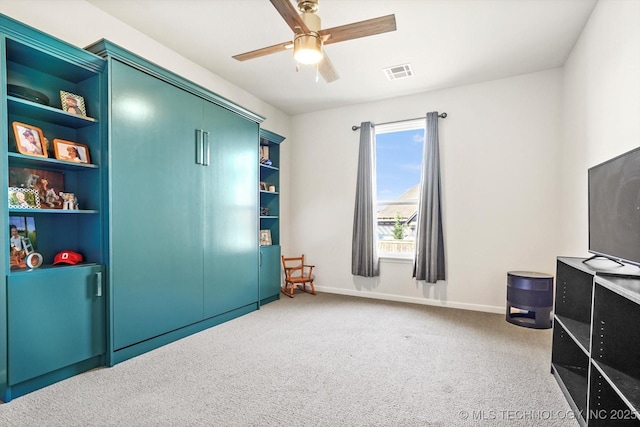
[260, 264]
[99, 284]
[207, 148]
[199, 146]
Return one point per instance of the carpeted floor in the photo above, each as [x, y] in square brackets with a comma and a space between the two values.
[324, 360]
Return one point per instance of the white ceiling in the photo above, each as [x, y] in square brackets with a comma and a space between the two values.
[447, 42]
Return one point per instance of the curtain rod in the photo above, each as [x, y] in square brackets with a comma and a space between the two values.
[442, 116]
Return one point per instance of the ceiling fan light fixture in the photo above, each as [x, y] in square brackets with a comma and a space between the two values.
[307, 49]
[309, 36]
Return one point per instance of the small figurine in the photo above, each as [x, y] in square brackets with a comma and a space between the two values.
[70, 202]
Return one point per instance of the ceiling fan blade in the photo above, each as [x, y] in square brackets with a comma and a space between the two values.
[264, 51]
[327, 70]
[356, 30]
[290, 15]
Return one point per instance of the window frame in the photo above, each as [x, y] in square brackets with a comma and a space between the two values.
[401, 126]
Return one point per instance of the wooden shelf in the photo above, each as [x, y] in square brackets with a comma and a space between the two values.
[36, 111]
[625, 385]
[269, 167]
[26, 161]
[54, 211]
[581, 331]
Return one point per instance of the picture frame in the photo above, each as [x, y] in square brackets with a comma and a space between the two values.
[72, 103]
[25, 227]
[22, 242]
[265, 238]
[29, 140]
[24, 198]
[71, 151]
[34, 260]
[47, 183]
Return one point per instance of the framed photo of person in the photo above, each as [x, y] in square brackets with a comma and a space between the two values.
[71, 151]
[34, 260]
[29, 140]
[23, 198]
[22, 243]
[72, 103]
[47, 184]
[265, 237]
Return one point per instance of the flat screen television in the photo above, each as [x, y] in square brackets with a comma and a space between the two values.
[614, 208]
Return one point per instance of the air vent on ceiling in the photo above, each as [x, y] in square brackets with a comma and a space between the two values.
[398, 72]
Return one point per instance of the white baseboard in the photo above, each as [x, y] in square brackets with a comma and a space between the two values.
[413, 300]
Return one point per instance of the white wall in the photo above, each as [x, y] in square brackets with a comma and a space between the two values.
[514, 155]
[601, 109]
[80, 23]
[499, 150]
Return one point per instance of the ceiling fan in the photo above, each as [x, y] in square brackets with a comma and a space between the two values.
[309, 38]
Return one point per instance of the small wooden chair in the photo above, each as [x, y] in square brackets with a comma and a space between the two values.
[297, 274]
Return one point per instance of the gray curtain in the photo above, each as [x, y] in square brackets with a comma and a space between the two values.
[364, 247]
[429, 257]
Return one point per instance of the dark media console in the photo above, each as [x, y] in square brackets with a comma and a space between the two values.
[596, 340]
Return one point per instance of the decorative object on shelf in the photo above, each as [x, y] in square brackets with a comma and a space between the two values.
[47, 146]
[263, 186]
[72, 103]
[264, 211]
[265, 237]
[264, 153]
[71, 151]
[34, 260]
[69, 201]
[23, 198]
[22, 240]
[272, 188]
[48, 184]
[29, 140]
[28, 94]
[67, 257]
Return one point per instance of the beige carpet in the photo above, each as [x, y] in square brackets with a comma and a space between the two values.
[324, 360]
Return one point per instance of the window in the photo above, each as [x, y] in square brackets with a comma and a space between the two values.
[398, 167]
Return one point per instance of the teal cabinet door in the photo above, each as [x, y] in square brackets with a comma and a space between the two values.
[56, 318]
[156, 207]
[269, 272]
[231, 206]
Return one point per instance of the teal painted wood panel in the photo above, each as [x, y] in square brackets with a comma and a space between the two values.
[231, 219]
[270, 280]
[55, 319]
[156, 206]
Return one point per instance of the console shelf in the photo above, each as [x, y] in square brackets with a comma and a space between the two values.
[596, 342]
